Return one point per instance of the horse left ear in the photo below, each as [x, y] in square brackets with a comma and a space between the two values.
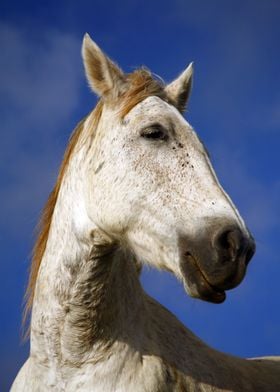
[105, 78]
[179, 90]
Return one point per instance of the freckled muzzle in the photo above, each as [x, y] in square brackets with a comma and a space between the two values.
[215, 261]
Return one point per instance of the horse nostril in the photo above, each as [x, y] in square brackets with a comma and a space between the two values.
[229, 241]
[232, 244]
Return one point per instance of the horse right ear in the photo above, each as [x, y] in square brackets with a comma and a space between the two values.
[105, 78]
[179, 90]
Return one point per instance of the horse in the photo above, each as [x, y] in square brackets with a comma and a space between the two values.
[135, 187]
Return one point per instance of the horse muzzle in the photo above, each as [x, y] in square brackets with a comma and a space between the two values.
[215, 261]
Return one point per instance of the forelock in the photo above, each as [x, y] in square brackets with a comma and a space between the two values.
[141, 84]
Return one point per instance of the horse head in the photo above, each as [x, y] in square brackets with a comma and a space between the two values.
[150, 184]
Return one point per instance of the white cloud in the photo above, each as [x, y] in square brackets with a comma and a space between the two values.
[39, 78]
[40, 87]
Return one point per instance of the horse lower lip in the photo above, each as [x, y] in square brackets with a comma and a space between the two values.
[206, 291]
[216, 297]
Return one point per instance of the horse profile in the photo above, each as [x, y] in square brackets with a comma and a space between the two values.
[136, 186]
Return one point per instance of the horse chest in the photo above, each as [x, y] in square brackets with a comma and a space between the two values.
[121, 372]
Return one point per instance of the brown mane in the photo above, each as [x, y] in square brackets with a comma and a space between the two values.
[141, 85]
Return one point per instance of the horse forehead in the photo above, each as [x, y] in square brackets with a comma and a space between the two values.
[153, 106]
[154, 109]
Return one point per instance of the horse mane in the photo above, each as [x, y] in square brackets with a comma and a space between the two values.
[141, 85]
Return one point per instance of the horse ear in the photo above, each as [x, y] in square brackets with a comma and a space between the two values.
[104, 77]
[179, 90]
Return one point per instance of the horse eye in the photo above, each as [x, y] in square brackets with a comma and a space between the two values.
[154, 133]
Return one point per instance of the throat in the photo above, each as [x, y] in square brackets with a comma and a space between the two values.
[104, 301]
[90, 305]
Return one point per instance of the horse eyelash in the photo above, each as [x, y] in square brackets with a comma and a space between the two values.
[155, 132]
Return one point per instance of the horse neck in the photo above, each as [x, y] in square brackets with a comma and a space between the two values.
[87, 291]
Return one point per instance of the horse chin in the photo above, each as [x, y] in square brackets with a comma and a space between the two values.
[196, 283]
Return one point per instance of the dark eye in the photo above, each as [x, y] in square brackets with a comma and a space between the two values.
[156, 132]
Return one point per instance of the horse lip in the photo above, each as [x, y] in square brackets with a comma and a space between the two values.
[195, 277]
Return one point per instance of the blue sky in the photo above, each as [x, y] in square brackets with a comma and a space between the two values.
[235, 108]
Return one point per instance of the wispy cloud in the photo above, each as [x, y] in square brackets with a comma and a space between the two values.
[39, 78]
[40, 86]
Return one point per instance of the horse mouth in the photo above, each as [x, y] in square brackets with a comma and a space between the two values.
[196, 283]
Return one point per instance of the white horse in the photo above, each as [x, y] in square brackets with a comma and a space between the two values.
[136, 186]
